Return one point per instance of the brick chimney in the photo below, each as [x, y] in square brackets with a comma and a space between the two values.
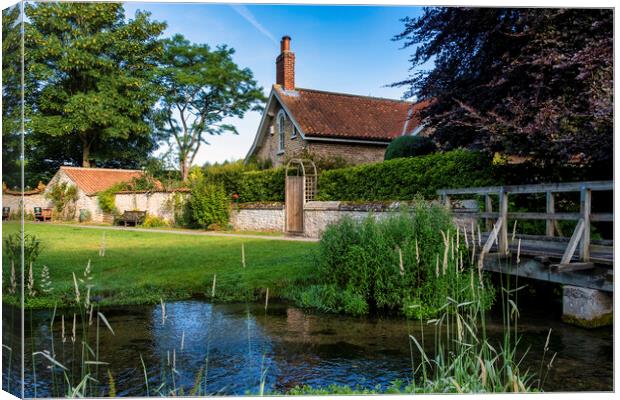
[285, 65]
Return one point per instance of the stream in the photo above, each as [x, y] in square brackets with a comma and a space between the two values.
[238, 345]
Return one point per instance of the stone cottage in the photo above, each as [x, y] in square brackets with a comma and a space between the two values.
[355, 128]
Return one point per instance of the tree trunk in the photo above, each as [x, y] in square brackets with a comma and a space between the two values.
[184, 169]
[85, 154]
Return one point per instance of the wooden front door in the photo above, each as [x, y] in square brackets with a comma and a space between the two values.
[294, 193]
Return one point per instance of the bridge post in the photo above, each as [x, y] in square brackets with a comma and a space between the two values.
[446, 201]
[488, 207]
[550, 210]
[586, 208]
[503, 214]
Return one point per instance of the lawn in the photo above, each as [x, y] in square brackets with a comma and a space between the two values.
[142, 267]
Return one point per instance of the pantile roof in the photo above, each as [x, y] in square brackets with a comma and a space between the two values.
[346, 116]
[94, 180]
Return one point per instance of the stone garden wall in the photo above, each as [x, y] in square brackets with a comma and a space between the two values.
[31, 200]
[317, 215]
[258, 217]
[155, 203]
[244, 217]
[159, 204]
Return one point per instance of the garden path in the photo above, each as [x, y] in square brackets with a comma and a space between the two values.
[193, 232]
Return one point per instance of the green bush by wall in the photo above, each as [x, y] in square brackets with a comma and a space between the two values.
[209, 204]
[403, 178]
[410, 146]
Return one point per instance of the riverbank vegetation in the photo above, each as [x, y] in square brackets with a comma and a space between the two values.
[408, 262]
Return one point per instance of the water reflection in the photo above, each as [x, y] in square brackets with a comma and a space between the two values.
[235, 345]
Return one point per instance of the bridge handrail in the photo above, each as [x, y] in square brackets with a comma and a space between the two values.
[533, 188]
[580, 239]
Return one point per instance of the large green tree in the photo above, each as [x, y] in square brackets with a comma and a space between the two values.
[94, 90]
[11, 96]
[532, 82]
[201, 88]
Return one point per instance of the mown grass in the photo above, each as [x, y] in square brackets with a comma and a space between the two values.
[142, 267]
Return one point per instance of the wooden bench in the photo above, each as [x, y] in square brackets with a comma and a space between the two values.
[42, 214]
[6, 212]
[132, 217]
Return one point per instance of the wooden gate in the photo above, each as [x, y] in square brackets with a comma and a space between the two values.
[294, 196]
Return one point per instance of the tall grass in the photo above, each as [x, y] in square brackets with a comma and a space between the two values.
[415, 256]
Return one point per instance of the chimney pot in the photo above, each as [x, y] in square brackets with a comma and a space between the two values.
[285, 44]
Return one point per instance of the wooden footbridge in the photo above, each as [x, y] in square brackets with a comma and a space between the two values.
[576, 260]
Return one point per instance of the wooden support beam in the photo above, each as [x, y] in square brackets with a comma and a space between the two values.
[488, 207]
[572, 244]
[489, 243]
[445, 199]
[550, 210]
[586, 209]
[503, 233]
[578, 266]
[558, 228]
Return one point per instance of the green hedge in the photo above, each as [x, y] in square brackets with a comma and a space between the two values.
[251, 186]
[403, 178]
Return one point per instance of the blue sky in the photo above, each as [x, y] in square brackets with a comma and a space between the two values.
[338, 48]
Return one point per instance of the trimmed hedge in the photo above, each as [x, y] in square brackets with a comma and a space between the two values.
[403, 178]
[251, 186]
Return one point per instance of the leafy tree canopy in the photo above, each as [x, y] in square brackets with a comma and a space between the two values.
[11, 98]
[92, 88]
[530, 82]
[201, 88]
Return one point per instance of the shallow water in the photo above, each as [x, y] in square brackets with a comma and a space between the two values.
[238, 343]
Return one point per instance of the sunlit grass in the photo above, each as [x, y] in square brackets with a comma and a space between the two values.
[141, 267]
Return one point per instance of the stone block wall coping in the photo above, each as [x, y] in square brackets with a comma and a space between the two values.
[181, 190]
[260, 206]
[370, 206]
[376, 206]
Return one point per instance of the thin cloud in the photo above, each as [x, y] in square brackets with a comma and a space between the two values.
[248, 16]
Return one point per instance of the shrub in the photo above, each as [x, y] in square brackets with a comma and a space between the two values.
[362, 261]
[106, 198]
[404, 178]
[153, 221]
[85, 215]
[178, 206]
[209, 204]
[410, 146]
[63, 196]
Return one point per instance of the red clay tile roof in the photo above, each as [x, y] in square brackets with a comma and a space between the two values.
[346, 116]
[94, 180]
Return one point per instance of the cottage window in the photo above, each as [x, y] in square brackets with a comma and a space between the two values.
[281, 130]
[294, 132]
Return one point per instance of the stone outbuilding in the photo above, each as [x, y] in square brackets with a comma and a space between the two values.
[328, 125]
[89, 182]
